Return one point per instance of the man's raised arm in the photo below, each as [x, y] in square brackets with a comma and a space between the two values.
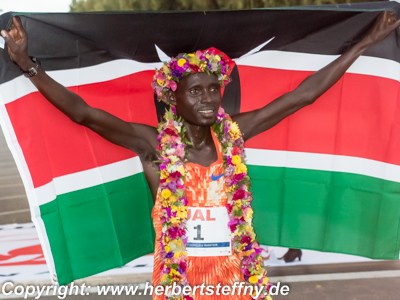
[257, 121]
[139, 138]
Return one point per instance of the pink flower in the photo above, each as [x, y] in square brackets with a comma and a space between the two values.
[246, 239]
[238, 195]
[172, 85]
[235, 151]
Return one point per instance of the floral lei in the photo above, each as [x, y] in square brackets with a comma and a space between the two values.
[173, 156]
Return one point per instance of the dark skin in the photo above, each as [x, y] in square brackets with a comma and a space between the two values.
[195, 93]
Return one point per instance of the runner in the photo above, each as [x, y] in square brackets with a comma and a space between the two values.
[189, 189]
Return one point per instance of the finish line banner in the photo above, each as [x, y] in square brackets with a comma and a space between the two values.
[327, 178]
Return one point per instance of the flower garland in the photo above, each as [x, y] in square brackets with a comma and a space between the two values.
[208, 61]
[174, 203]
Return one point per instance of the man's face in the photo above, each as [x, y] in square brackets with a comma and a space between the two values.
[198, 97]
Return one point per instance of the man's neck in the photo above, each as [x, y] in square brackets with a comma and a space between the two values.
[200, 136]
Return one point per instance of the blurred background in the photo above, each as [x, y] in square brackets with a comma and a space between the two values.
[129, 5]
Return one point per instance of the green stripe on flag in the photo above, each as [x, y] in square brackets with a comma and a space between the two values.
[326, 211]
[99, 228]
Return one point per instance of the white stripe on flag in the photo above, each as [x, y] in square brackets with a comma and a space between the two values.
[323, 162]
[364, 65]
[88, 178]
[257, 157]
[21, 86]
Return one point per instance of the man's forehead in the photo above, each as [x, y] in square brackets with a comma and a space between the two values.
[198, 79]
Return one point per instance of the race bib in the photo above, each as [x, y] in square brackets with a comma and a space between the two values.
[208, 232]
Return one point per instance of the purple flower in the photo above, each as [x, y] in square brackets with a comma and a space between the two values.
[176, 73]
[168, 209]
[170, 254]
[227, 127]
[172, 186]
[220, 115]
[247, 248]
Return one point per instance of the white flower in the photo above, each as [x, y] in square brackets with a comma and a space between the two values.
[170, 151]
[171, 168]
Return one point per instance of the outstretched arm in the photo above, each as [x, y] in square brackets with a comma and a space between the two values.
[141, 139]
[257, 121]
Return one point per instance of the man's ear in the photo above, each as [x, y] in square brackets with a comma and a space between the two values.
[171, 98]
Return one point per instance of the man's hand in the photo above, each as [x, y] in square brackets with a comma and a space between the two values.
[17, 44]
[383, 26]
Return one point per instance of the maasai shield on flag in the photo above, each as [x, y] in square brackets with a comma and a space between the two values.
[327, 178]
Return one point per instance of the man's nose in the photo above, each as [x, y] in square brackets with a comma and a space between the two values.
[206, 97]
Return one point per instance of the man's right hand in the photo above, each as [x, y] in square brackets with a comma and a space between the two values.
[17, 44]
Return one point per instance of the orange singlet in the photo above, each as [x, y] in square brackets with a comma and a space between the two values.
[202, 191]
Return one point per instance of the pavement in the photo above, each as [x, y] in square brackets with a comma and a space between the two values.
[14, 206]
[319, 276]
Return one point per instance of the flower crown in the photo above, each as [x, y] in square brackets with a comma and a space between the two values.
[208, 61]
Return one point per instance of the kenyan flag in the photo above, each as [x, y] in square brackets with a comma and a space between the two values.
[326, 178]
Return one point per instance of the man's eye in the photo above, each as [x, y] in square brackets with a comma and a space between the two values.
[194, 91]
[214, 89]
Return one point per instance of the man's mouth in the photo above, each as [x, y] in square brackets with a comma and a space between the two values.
[206, 111]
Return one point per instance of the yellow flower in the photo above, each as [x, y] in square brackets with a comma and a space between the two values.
[166, 193]
[164, 174]
[217, 57]
[167, 248]
[181, 62]
[238, 203]
[164, 277]
[193, 59]
[249, 214]
[231, 188]
[236, 159]
[172, 199]
[265, 280]
[160, 82]
[202, 66]
[174, 220]
[166, 70]
[182, 213]
[178, 254]
[240, 169]
[178, 243]
[181, 170]
[253, 279]
[234, 131]
[173, 272]
[247, 253]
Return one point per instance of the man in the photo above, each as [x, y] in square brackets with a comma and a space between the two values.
[197, 98]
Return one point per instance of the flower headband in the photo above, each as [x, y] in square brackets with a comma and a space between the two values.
[208, 61]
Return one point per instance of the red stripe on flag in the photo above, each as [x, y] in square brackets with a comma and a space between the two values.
[54, 146]
[359, 116]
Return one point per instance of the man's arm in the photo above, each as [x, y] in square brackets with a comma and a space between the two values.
[141, 139]
[257, 121]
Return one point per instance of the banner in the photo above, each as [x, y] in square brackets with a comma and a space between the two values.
[326, 178]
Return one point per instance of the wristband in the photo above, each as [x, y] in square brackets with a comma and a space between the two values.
[33, 70]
